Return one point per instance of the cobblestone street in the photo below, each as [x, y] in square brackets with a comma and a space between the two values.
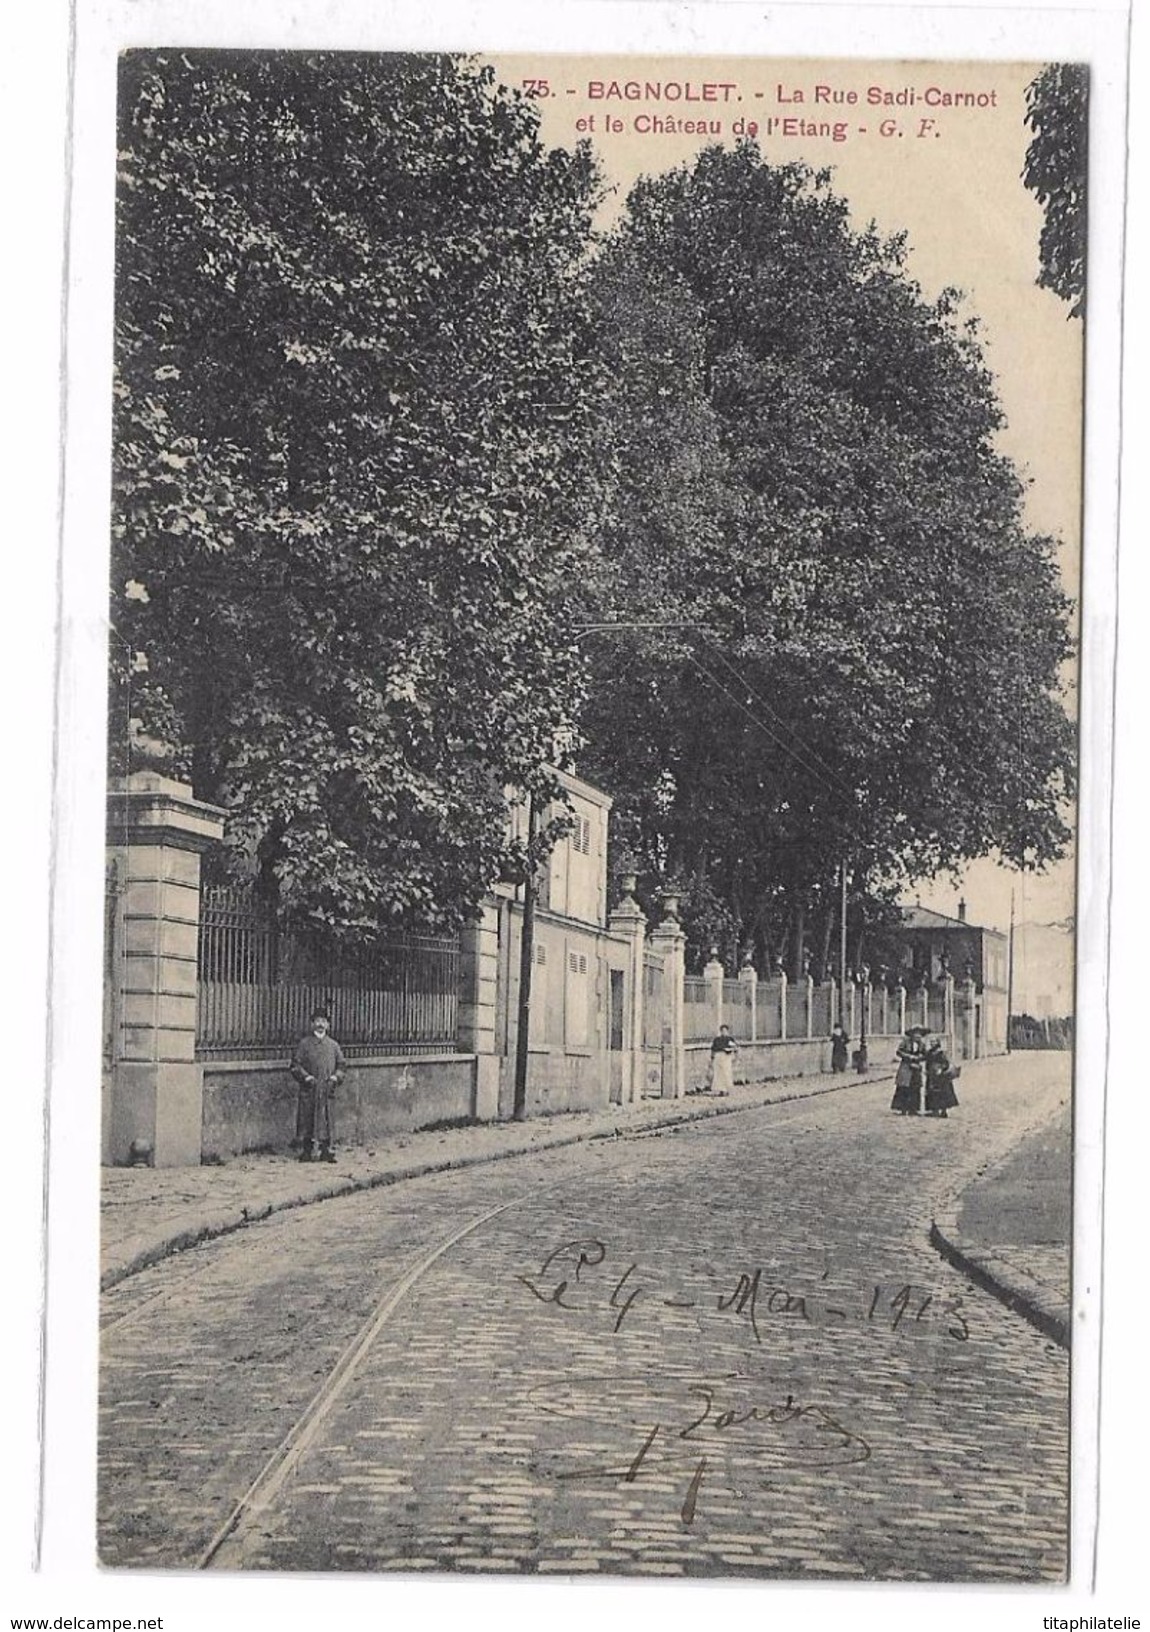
[723, 1349]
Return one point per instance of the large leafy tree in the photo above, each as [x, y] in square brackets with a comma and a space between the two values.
[1055, 170]
[353, 395]
[806, 468]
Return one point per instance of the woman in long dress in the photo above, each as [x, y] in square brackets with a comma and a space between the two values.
[908, 1082]
[723, 1051]
[839, 1042]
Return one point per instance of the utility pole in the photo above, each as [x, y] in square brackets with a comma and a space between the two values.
[862, 1063]
[526, 965]
[1010, 973]
[864, 1004]
[843, 944]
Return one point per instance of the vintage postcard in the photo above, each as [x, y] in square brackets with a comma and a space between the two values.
[594, 742]
[594, 574]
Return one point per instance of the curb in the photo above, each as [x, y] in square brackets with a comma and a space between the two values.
[1054, 1326]
[212, 1229]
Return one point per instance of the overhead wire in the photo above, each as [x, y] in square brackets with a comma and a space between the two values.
[785, 725]
[800, 758]
[798, 751]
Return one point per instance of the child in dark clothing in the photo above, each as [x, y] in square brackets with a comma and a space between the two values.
[318, 1066]
[940, 1075]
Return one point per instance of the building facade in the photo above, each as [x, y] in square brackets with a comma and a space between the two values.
[934, 946]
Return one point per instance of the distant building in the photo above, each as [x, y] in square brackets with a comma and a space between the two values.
[1043, 971]
[934, 945]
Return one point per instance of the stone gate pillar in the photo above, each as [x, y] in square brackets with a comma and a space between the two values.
[669, 941]
[476, 1014]
[629, 924]
[157, 832]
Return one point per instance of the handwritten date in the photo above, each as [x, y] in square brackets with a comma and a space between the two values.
[576, 1277]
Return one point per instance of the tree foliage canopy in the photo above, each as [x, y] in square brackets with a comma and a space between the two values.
[806, 468]
[392, 427]
[1056, 171]
[353, 390]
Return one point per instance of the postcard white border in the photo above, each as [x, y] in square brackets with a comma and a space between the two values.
[1049, 32]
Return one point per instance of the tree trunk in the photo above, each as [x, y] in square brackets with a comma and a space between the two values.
[798, 940]
[822, 969]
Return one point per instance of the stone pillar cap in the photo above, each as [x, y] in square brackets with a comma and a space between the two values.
[147, 808]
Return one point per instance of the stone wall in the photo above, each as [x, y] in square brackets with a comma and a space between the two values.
[797, 1057]
[250, 1105]
[607, 1014]
[556, 1081]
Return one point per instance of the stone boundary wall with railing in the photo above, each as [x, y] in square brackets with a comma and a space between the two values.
[259, 983]
[794, 1057]
[201, 996]
[250, 1105]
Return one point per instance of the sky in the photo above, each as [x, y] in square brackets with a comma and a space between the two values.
[934, 150]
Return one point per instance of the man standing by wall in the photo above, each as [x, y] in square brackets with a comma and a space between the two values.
[318, 1066]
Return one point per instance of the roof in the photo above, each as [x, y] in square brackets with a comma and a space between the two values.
[917, 917]
[588, 790]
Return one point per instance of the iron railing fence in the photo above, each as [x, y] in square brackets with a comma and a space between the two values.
[797, 1009]
[936, 1010]
[738, 1013]
[822, 1010]
[768, 1004]
[259, 984]
[698, 1010]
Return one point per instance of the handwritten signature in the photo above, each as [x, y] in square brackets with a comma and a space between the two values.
[575, 1277]
[806, 1434]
